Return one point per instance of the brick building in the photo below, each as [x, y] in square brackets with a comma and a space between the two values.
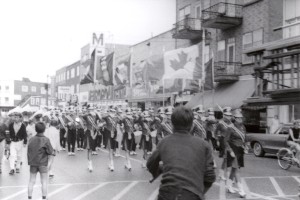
[230, 28]
[32, 93]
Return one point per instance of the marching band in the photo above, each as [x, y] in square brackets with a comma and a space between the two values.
[114, 128]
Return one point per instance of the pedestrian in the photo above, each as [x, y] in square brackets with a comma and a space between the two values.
[274, 125]
[30, 129]
[53, 134]
[90, 134]
[3, 130]
[18, 138]
[235, 145]
[210, 128]
[71, 138]
[39, 151]
[294, 139]
[187, 169]
[62, 136]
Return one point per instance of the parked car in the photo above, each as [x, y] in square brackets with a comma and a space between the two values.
[262, 143]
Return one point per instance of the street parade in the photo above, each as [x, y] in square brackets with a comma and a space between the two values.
[150, 100]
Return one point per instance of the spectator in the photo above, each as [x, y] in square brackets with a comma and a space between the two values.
[187, 171]
[39, 151]
[274, 126]
[3, 129]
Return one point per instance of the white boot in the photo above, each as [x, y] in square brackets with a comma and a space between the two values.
[111, 166]
[222, 175]
[241, 191]
[229, 186]
[90, 165]
[128, 166]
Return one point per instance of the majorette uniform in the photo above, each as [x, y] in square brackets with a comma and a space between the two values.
[198, 128]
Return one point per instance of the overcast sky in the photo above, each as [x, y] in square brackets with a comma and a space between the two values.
[38, 37]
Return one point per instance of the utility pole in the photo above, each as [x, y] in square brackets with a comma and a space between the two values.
[47, 89]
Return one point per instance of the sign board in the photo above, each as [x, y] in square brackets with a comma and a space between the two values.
[64, 90]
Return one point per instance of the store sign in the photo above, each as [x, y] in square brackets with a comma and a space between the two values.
[107, 93]
[64, 90]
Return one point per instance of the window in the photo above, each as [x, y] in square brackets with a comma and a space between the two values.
[33, 89]
[32, 101]
[247, 40]
[221, 50]
[184, 12]
[251, 39]
[77, 86]
[24, 88]
[206, 53]
[37, 101]
[0, 87]
[198, 12]
[6, 100]
[257, 37]
[7, 88]
[291, 9]
[43, 91]
[78, 71]
[73, 73]
[43, 101]
[68, 75]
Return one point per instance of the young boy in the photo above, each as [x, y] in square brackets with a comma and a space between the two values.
[39, 150]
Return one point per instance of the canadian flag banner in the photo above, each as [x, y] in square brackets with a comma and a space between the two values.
[182, 63]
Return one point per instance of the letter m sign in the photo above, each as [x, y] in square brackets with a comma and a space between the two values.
[98, 40]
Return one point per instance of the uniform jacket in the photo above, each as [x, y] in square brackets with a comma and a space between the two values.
[20, 135]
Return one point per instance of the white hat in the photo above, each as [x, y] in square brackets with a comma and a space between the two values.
[169, 110]
[227, 111]
[210, 111]
[238, 113]
[198, 109]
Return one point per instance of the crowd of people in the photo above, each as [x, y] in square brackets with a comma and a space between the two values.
[126, 129]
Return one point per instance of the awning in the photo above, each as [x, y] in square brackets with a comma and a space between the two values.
[230, 94]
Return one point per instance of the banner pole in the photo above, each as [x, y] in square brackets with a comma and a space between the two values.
[163, 92]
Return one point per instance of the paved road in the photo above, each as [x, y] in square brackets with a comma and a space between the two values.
[262, 178]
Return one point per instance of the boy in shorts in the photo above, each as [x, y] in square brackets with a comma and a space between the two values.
[39, 150]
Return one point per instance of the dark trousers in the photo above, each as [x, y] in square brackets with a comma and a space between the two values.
[174, 193]
[98, 140]
[62, 140]
[71, 142]
[80, 138]
[213, 140]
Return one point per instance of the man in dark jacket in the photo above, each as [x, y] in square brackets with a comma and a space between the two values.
[187, 169]
[18, 138]
[3, 129]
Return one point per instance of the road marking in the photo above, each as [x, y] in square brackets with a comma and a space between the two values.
[276, 186]
[246, 188]
[58, 184]
[90, 191]
[58, 190]
[222, 185]
[253, 194]
[297, 178]
[124, 191]
[154, 194]
[15, 194]
[133, 159]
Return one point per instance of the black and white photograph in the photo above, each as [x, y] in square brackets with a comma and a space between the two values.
[150, 100]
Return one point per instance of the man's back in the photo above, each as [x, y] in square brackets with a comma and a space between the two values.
[187, 162]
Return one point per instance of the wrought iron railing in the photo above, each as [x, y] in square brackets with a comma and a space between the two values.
[223, 68]
[188, 24]
[222, 9]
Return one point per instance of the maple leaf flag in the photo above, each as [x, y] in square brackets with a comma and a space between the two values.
[181, 63]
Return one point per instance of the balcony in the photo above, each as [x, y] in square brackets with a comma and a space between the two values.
[188, 28]
[227, 71]
[222, 16]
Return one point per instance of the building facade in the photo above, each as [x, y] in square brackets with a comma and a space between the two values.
[33, 93]
[227, 29]
[7, 95]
